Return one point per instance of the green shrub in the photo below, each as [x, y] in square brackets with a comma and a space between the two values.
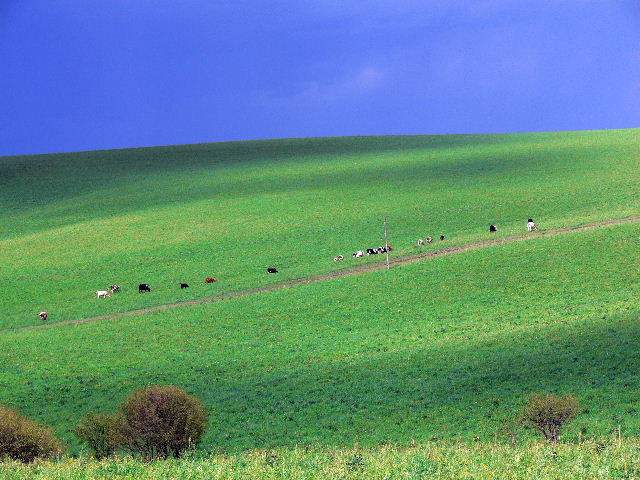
[25, 440]
[160, 421]
[98, 431]
[548, 413]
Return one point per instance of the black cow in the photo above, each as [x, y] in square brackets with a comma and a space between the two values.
[272, 270]
[441, 237]
[493, 228]
[144, 287]
[372, 251]
[184, 285]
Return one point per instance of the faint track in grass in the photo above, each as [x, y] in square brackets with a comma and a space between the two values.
[343, 273]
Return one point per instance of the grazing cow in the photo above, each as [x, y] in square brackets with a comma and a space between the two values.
[531, 225]
[358, 254]
[210, 280]
[103, 293]
[272, 270]
[441, 237]
[144, 287]
[184, 285]
[372, 251]
[43, 316]
[429, 239]
[114, 288]
[382, 249]
[339, 258]
[420, 242]
[493, 228]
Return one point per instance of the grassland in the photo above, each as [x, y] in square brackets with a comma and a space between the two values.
[447, 348]
[607, 459]
[76, 223]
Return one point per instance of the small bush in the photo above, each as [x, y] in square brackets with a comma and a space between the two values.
[25, 440]
[98, 431]
[160, 421]
[548, 413]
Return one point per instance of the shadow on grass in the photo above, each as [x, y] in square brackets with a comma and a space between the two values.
[437, 391]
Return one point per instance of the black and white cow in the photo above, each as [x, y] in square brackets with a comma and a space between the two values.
[531, 225]
[43, 316]
[420, 242]
[493, 228]
[358, 254]
[372, 251]
[144, 287]
[272, 270]
[429, 239]
[114, 288]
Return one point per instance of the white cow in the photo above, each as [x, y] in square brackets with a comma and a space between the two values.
[531, 225]
[420, 242]
[358, 254]
[339, 258]
[103, 293]
[43, 316]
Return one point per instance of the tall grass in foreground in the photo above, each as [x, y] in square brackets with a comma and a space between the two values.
[610, 458]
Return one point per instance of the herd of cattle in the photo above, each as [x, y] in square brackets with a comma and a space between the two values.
[145, 287]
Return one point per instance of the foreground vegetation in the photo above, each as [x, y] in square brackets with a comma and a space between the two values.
[607, 459]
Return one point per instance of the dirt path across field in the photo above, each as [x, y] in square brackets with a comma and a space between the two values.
[345, 273]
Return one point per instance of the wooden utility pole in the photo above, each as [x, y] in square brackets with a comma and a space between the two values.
[386, 240]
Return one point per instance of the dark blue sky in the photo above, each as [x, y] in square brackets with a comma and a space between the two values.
[84, 75]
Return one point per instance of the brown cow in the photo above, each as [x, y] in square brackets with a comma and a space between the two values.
[210, 280]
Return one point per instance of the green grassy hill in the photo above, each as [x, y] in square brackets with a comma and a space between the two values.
[446, 347]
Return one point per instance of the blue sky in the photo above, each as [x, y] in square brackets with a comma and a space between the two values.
[84, 75]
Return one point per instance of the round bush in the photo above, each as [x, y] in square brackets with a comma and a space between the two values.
[549, 413]
[25, 440]
[160, 421]
[98, 432]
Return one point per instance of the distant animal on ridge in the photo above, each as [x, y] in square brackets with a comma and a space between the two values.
[210, 280]
[103, 293]
[144, 287]
[272, 270]
[184, 285]
[43, 316]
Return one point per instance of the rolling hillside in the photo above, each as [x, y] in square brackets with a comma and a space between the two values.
[445, 347]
